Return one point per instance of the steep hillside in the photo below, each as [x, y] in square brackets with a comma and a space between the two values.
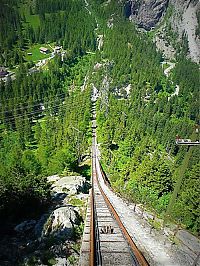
[175, 24]
[180, 30]
[146, 13]
[140, 112]
[45, 112]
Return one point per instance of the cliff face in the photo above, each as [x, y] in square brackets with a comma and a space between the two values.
[146, 13]
[185, 21]
[179, 28]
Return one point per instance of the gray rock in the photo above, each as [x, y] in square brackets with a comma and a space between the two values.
[146, 13]
[39, 226]
[189, 240]
[67, 184]
[61, 262]
[61, 222]
[25, 226]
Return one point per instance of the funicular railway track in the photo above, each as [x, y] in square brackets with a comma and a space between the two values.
[110, 243]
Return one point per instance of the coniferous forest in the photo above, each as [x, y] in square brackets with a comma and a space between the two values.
[45, 115]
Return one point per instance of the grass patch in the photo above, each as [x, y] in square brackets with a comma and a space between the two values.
[13, 69]
[36, 54]
[32, 20]
[165, 66]
[72, 259]
[155, 224]
[76, 202]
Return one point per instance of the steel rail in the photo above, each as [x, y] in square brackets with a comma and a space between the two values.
[92, 226]
[106, 181]
[94, 239]
[141, 259]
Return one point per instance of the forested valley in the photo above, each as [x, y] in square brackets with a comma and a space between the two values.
[45, 116]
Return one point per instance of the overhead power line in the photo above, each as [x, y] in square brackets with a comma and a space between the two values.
[30, 106]
[27, 96]
[30, 113]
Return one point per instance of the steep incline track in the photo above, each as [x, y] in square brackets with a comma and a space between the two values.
[110, 246]
[109, 241]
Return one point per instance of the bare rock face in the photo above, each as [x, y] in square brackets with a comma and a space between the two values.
[146, 13]
[67, 184]
[61, 222]
[185, 22]
[180, 29]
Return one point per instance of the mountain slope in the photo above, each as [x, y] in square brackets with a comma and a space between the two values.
[140, 112]
[176, 22]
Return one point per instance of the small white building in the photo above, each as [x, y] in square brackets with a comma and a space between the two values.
[57, 49]
[44, 50]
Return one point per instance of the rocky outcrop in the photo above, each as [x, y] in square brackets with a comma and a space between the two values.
[50, 239]
[61, 222]
[184, 22]
[63, 217]
[68, 184]
[180, 29]
[146, 13]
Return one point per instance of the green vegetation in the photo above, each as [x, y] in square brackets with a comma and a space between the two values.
[138, 131]
[165, 66]
[26, 12]
[30, 150]
[85, 169]
[33, 20]
[64, 22]
[45, 116]
[36, 54]
[76, 202]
